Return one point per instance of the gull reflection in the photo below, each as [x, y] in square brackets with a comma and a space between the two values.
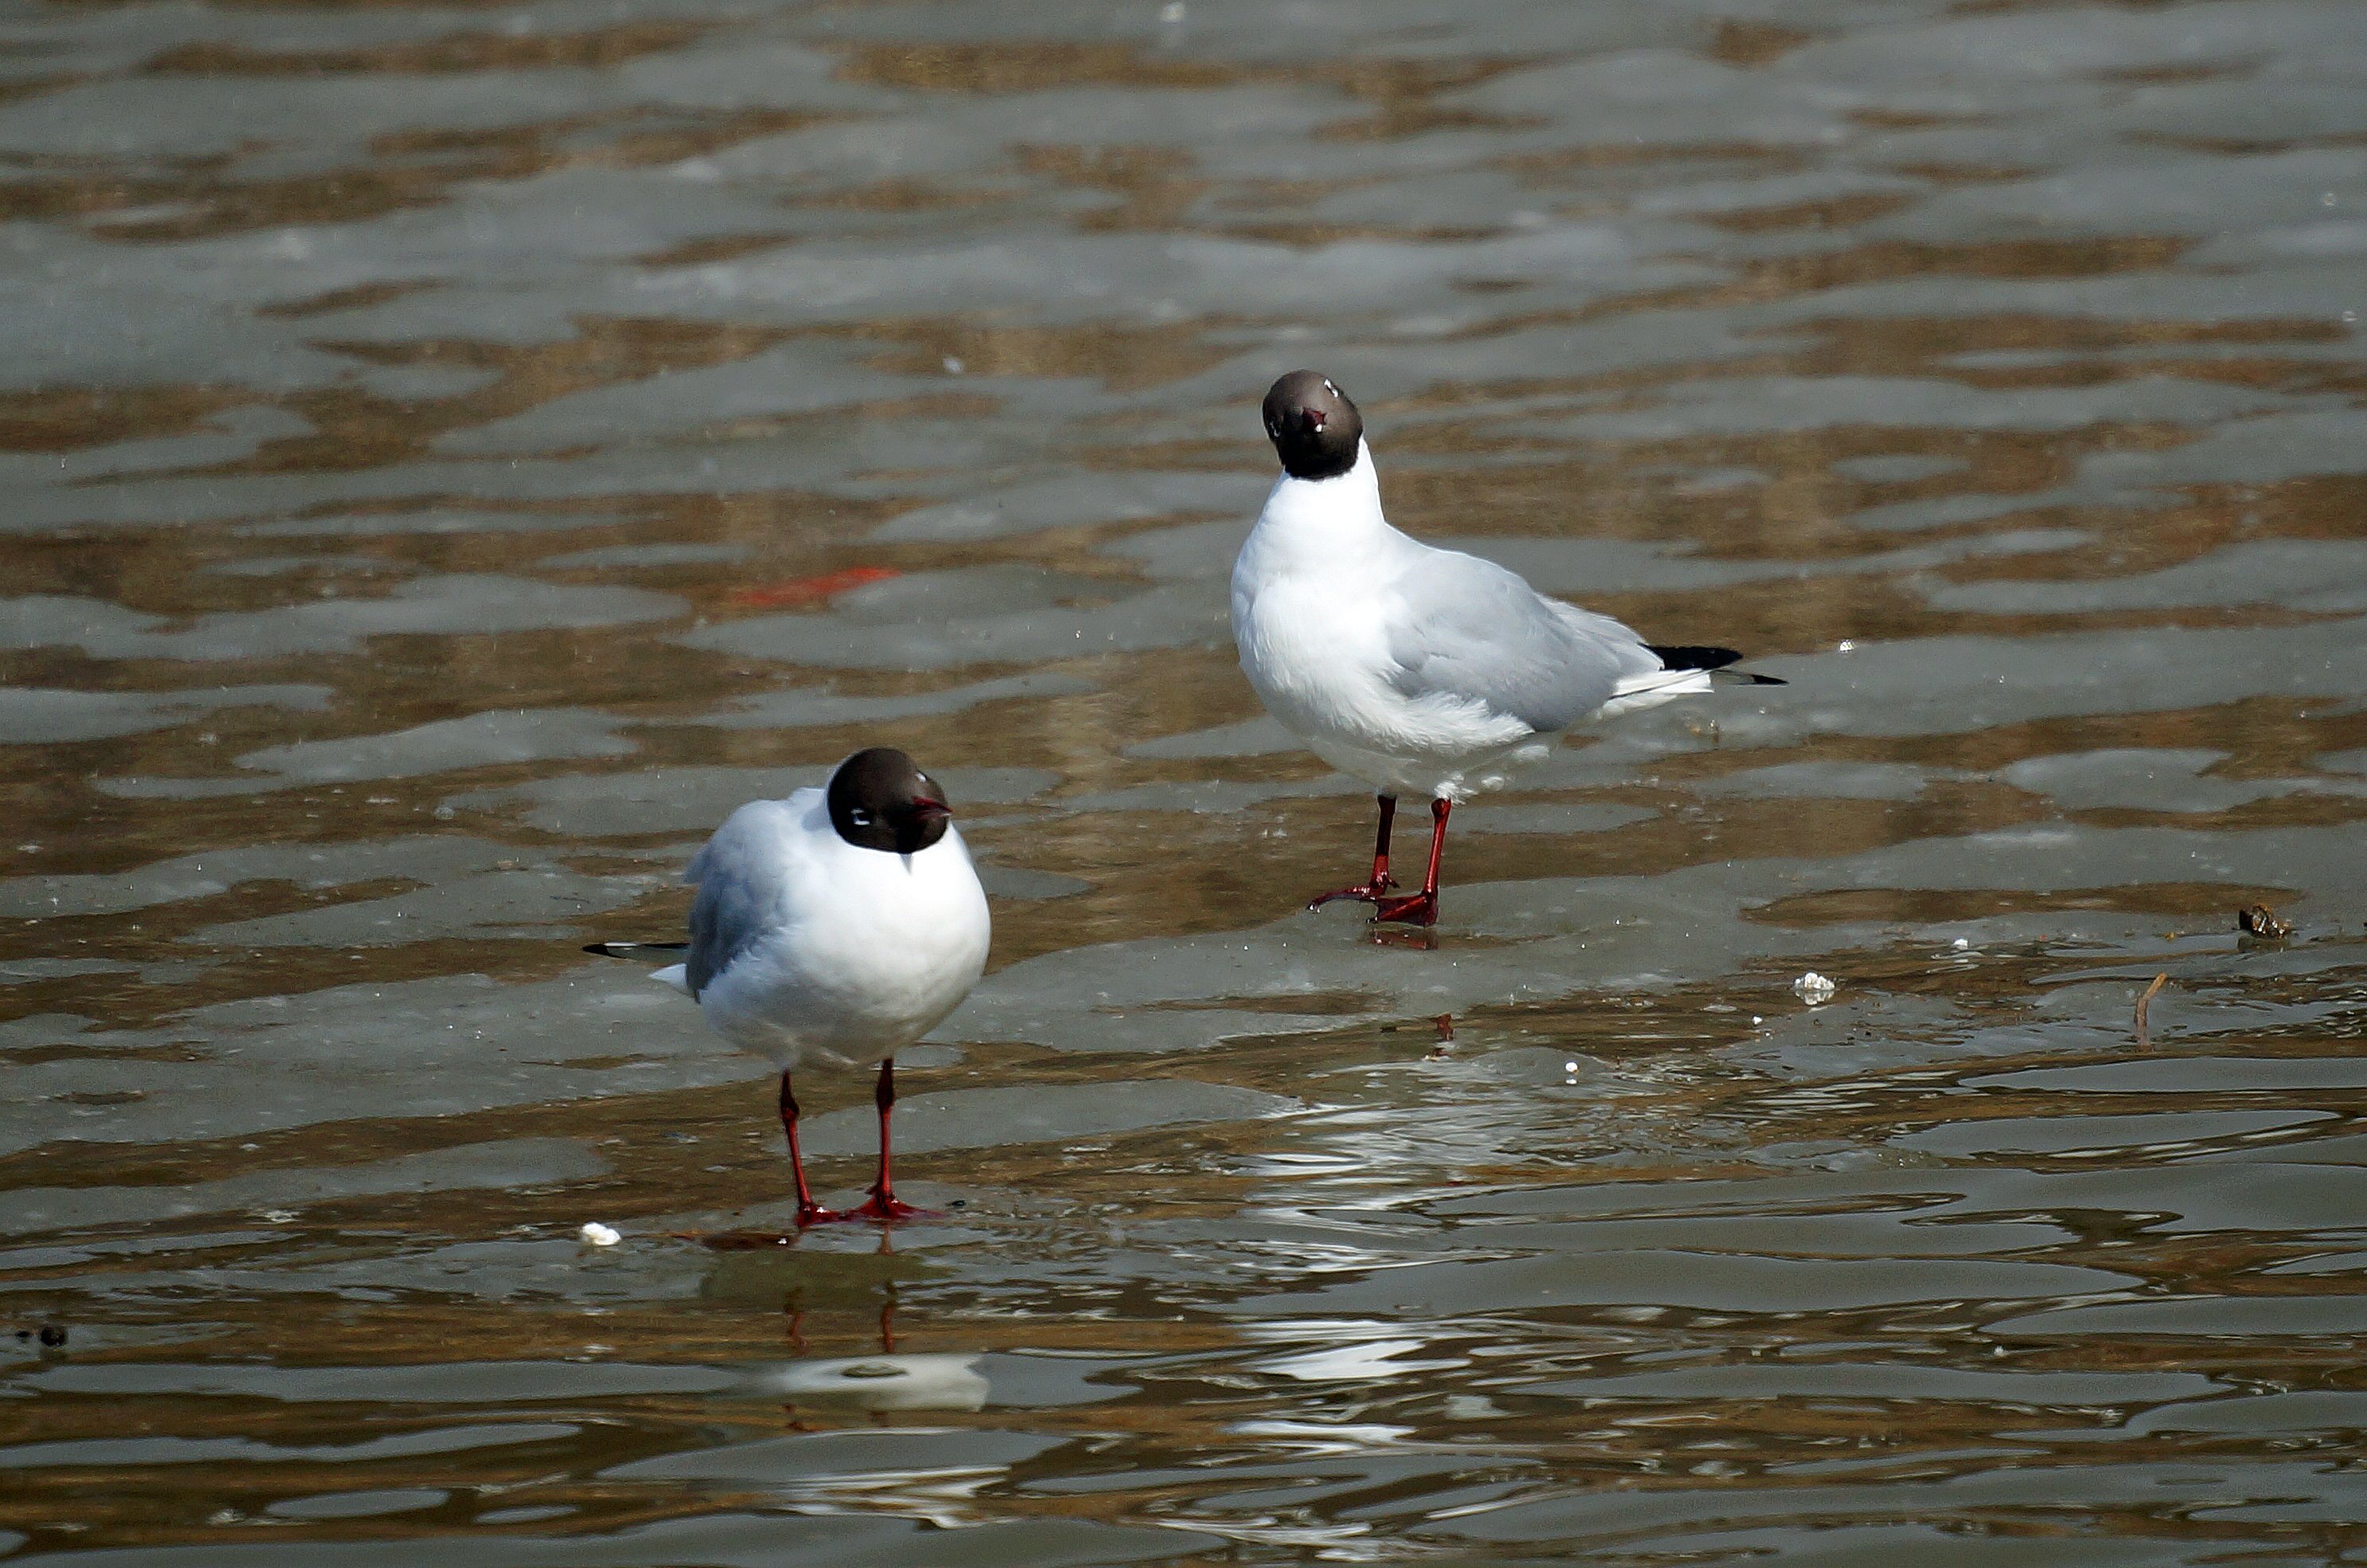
[873, 1384]
[879, 1383]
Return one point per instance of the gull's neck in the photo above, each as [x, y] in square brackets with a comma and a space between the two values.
[1347, 504]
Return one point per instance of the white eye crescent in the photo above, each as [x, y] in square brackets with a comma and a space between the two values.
[859, 816]
[1330, 387]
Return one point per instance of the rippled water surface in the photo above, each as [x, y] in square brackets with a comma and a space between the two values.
[454, 453]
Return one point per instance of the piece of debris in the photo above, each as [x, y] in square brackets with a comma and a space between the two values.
[1814, 989]
[2145, 1001]
[2258, 919]
[594, 1234]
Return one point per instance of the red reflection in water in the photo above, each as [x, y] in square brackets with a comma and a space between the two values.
[815, 589]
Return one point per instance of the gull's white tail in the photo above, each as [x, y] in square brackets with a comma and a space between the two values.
[1683, 671]
[674, 975]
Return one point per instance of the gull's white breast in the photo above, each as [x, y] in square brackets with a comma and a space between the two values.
[853, 953]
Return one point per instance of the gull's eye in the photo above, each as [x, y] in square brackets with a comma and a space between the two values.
[859, 816]
[1330, 387]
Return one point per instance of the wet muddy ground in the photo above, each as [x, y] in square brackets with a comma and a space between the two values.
[454, 454]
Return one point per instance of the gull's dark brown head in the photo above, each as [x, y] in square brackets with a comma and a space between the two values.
[878, 800]
[1314, 428]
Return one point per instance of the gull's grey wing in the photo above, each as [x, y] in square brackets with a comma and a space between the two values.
[1472, 629]
[738, 875]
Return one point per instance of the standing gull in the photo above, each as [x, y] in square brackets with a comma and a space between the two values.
[833, 928]
[1417, 670]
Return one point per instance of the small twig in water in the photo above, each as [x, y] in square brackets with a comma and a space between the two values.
[2145, 1001]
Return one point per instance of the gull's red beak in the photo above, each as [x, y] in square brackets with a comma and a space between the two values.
[929, 810]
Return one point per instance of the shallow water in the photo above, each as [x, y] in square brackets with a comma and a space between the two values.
[454, 454]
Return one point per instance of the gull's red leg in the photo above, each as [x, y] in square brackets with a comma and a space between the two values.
[1370, 892]
[808, 1212]
[1421, 909]
[883, 1204]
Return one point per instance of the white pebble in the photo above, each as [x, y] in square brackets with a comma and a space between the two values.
[1813, 989]
[1570, 1066]
[594, 1234]
[1961, 943]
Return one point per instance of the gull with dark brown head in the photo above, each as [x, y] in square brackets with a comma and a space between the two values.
[834, 929]
[1419, 671]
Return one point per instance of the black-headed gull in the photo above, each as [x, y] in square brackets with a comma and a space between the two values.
[833, 928]
[1418, 670]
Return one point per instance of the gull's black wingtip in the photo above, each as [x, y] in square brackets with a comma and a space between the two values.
[1690, 656]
